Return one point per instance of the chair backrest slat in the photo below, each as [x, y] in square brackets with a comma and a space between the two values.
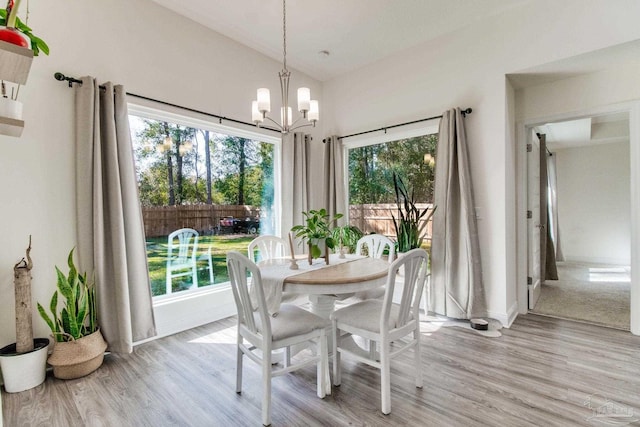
[246, 281]
[414, 264]
[268, 247]
[376, 245]
[186, 247]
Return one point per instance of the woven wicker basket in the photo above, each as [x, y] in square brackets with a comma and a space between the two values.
[75, 359]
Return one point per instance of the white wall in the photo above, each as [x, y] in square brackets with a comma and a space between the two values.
[150, 51]
[593, 203]
[467, 69]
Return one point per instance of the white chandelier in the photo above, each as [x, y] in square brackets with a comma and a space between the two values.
[306, 106]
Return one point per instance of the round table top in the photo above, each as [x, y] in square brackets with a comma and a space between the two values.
[353, 276]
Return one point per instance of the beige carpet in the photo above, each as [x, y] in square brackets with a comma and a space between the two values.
[591, 293]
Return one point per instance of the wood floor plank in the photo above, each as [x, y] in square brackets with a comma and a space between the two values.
[541, 371]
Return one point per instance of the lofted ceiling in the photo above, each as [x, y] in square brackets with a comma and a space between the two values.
[353, 32]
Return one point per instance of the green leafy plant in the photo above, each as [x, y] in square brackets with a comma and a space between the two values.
[347, 236]
[317, 229]
[37, 44]
[410, 222]
[78, 316]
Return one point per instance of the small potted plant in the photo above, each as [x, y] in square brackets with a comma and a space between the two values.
[79, 346]
[410, 222]
[14, 31]
[24, 363]
[317, 231]
[346, 236]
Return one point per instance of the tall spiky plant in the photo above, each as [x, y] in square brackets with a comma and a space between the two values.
[78, 316]
[411, 222]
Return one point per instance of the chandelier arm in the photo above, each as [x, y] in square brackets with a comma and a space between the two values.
[292, 128]
[280, 128]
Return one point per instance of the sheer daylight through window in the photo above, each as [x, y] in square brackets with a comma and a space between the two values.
[202, 193]
[372, 193]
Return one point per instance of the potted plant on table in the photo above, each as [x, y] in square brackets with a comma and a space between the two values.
[79, 346]
[317, 231]
[410, 222]
[346, 236]
[24, 363]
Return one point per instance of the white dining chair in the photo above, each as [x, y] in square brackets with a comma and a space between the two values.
[392, 328]
[182, 248]
[375, 246]
[259, 333]
[267, 247]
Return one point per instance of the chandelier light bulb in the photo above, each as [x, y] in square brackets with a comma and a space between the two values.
[314, 111]
[304, 98]
[264, 100]
[256, 115]
[288, 119]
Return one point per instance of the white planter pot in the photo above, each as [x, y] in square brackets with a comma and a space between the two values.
[10, 109]
[21, 372]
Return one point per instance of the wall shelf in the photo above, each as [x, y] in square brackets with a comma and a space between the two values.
[11, 127]
[15, 63]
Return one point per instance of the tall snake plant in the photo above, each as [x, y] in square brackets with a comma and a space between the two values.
[78, 316]
[410, 222]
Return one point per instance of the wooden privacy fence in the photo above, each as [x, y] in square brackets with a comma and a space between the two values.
[376, 218]
[162, 220]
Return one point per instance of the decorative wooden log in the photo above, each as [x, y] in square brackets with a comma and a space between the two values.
[24, 319]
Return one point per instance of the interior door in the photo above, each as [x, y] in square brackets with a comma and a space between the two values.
[534, 197]
[544, 205]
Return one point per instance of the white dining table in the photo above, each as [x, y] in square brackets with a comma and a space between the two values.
[326, 283]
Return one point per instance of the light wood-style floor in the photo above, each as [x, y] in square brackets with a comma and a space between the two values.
[542, 372]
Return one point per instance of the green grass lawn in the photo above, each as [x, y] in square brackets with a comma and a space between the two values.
[220, 245]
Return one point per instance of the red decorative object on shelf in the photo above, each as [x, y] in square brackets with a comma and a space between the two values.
[13, 36]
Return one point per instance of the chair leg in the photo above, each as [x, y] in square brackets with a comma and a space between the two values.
[385, 378]
[321, 379]
[418, 359]
[266, 388]
[239, 356]
[210, 270]
[336, 354]
[194, 277]
[287, 357]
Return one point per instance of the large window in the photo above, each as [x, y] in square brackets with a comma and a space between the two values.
[371, 168]
[199, 175]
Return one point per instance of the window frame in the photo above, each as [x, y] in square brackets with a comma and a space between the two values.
[200, 121]
[409, 131]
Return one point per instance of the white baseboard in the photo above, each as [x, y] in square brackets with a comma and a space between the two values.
[599, 260]
[506, 319]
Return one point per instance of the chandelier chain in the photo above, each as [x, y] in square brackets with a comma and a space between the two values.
[284, 34]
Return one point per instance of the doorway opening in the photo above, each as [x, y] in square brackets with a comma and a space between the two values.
[579, 219]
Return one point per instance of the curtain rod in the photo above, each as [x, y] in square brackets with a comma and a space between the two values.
[464, 114]
[61, 77]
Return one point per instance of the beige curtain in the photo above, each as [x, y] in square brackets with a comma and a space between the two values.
[295, 179]
[456, 274]
[334, 199]
[111, 240]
